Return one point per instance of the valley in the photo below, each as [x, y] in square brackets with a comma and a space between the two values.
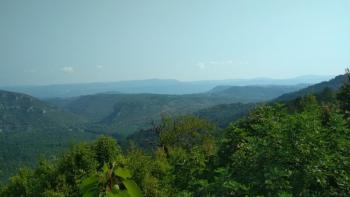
[31, 127]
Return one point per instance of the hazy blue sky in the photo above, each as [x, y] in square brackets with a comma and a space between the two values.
[65, 41]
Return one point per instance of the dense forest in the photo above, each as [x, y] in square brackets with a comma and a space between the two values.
[31, 128]
[128, 113]
[295, 148]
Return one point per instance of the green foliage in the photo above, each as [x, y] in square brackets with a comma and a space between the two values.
[19, 185]
[62, 176]
[300, 148]
[273, 152]
[106, 150]
[187, 145]
[222, 115]
[344, 96]
[185, 132]
[114, 181]
[30, 128]
[150, 172]
[333, 85]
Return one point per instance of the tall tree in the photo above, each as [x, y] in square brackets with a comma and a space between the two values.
[344, 96]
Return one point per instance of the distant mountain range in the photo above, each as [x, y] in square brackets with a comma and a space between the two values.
[154, 86]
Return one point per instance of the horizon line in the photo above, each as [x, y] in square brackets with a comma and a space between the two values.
[172, 79]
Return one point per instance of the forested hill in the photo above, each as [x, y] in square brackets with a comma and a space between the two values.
[127, 113]
[332, 84]
[30, 128]
[253, 93]
[21, 113]
[222, 115]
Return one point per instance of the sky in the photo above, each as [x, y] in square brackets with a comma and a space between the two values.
[75, 41]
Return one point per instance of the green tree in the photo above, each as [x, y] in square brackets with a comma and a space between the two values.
[344, 96]
[272, 152]
[62, 176]
[150, 172]
[188, 144]
[113, 181]
[106, 150]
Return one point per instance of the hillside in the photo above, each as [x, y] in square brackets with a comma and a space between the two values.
[222, 115]
[21, 113]
[127, 113]
[252, 93]
[30, 128]
[332, 84]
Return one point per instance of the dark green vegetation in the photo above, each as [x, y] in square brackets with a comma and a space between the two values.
[112, 181]
[295, 148]
[222, 115]
[333, 84]
[344, 98]
[64, 176]
[29, 128]
[20, 113]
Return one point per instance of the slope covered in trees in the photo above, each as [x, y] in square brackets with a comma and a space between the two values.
[333, 84]
[128, 113]
[222, 115]
[20, 113]
[300, 148]
[30, 128]
[253, 93]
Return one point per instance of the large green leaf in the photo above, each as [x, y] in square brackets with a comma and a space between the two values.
[89, 184]
[105, 168]
[92, 193]
[123, 173]
[133, 189]
[119, 194]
